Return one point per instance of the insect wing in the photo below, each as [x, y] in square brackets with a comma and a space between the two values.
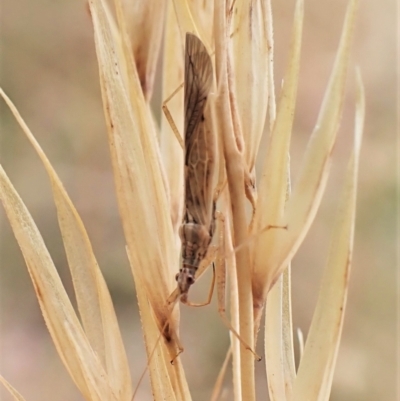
[198, 80]
[200, 142]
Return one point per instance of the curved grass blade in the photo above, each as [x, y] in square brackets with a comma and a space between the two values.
[76, 353]
[280, 245]
[250, 52]
[171, 150]
[93, 299]
[146, 23]
[14, 393]
[279, 352]
[235, 177]
[142, 199]
[314, 379]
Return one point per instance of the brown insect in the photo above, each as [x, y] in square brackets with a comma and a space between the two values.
[201, 189]
[198, 223]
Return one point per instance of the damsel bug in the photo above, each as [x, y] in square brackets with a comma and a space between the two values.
[198, 223]
[201, 191]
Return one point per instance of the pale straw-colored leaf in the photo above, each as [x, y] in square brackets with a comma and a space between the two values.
[234, 308]
[228, 258]
[171, 150]
[235, 343]
[280, 245]
[273, 343]
[272, 192]
[195, 17]
[93, 299]
[141, 193]
[167, 381]
[273, 182]
[140, 108]
[235, 177]
[273, 186]
[271, 82]
[76, 353]
[251, 77]
[145, 22]
[186, 20]
[279, 352]
[14, 393]
[96, 381]
[289, 368]
[203, 12]
[314, 379]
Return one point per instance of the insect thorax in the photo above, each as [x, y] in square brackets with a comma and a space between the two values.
[195, 241]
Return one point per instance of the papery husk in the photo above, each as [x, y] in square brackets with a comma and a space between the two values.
[72, 345]
[171, 150]
[250, 52]
[275, 247]
[235, 177]
[317, 365]
[278, 342]
[145, 21]
[93, 299]
[142, 198]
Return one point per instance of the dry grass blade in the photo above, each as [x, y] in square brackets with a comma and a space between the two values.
[273, 187]
[271, 46]
[234, 306]
[235, 177]
[289, 368]
[146, 17]
[317, 365]
[76, 353]
[271, 199]
[279, 352]
[140, 189]
[142, 200]
[250, 83]
[14, 393]
[273, 343]
[305, 199]
[167, 381]
[306, 195]
[273, 184]
[186, 20]
[94, 302]
[171, 150]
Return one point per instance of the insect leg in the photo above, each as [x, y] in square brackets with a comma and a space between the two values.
[203, 266]
[210, 294]
[180, 350]
[221, 284]
[169, 118]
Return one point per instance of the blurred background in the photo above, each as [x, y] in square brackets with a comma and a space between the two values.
[48, 68]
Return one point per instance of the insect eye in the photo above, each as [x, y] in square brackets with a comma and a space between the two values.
[176, 276]
[190, 280]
